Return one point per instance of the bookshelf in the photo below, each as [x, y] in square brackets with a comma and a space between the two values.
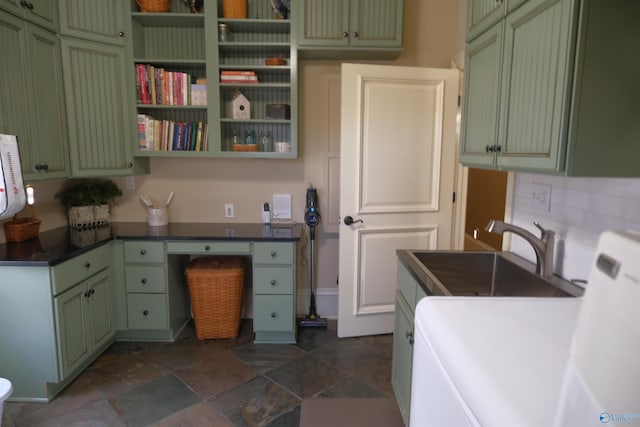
[180, 41]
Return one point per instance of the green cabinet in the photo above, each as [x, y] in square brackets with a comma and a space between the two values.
[157, 304]
[97, 78]
[328, 27]
[66, 318]
[409, 293]
[40, 12]
[84, 321]
[32, 101]
[97, 20]
[551, 104]
[274, 310]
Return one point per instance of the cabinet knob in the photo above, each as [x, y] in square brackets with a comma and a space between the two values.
[130, 164]
[45, 167]
[273, 283]
[410, 336]
[87, 265]
[145, 313]
[345, 34]
[274, 254]
[207, 247]
[498, 148]
[143, 281]
[274, 314]
[38, 167]
[355, 35]
[121, 34]
[489, 148]
[86, 294]
[143, 251]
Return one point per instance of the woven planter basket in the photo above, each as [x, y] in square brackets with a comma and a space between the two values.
[81, 217]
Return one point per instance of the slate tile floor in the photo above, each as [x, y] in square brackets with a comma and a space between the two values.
[215, 382]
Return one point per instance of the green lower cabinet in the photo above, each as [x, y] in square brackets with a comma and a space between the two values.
[409, 293]
[147, 311]
[84, 322]
[274, 301]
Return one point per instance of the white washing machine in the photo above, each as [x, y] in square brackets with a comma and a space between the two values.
[482, 361]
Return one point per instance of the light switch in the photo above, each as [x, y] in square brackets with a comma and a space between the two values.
[540, 197]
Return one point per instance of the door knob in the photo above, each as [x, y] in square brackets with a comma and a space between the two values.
[348, 220]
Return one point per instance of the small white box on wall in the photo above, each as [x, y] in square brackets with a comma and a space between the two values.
[239, 107]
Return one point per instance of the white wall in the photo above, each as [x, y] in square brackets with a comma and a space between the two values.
[581, 209]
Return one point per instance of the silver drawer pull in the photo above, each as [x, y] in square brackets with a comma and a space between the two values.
[143, 251]
[273, 283]
[143, 281]
[274, 314]
[145, 313]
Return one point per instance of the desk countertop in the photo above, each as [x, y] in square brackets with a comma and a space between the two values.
[60, 244]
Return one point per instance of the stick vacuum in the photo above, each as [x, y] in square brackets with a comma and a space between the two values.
[312, 218]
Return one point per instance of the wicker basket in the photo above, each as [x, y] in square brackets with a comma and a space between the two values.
[154, 5]
[234, 9]
[215, 287]
[20, 229]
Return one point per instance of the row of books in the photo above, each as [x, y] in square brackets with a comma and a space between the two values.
[158, 86]
[238, 76]
[168, 135]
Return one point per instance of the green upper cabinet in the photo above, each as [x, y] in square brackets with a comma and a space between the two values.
[40, 12]
[32, 101]
[482, 14]
[552, 106]
[355, 28]
[99, 103]
[95, 20]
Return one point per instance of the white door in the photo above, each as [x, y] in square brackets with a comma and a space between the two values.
[398, 136]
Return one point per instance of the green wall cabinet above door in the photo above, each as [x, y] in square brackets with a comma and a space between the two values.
[40, 12]
[558, 106]
[341, 29]
[97, 20]
[32, 101]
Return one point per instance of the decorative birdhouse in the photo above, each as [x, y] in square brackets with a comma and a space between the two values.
[239, 107]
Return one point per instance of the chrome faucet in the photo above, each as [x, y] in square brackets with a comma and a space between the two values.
[543, 246]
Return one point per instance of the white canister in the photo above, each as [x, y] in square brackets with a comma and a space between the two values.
[157, 216]
[282, 147]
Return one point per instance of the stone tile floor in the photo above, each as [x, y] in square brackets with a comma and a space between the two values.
[214, 382]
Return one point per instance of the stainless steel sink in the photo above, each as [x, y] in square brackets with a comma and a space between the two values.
[486, 274]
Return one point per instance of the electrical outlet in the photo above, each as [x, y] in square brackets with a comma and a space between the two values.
[540, 197]
[228, 210]
[131, 183]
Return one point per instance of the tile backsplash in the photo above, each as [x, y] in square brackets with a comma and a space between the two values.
[580, 210]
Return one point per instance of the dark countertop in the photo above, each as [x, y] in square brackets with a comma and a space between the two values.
[60, 244]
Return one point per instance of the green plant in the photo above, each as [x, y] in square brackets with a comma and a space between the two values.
[88, 192]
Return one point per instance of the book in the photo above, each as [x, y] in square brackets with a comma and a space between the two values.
[237, 73]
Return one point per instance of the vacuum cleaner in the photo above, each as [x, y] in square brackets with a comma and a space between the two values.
[312, 218]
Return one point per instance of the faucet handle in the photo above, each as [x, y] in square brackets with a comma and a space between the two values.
[546, 233]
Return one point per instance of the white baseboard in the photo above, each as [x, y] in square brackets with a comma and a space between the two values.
[326, 302]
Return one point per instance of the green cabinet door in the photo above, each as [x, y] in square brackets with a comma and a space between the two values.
[376, 23]
[100, 309]
[479, 129]
[95, 20]
[73, 328]
[323, 23]
[402, 365]
[354, 23]
[482, 14]
[32, 101]
[40, 12]
[100, 121]
[536, 85]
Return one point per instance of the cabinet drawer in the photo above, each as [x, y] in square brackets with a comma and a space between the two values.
[204, 247]
[273, 313]
[273, 253]
[144, 252]
[147, 311]
[273, 280]
[79, 268]
[145, 278]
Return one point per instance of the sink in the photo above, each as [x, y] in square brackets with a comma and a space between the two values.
[500, 274]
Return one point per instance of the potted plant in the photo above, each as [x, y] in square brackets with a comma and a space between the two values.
[88, 201]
